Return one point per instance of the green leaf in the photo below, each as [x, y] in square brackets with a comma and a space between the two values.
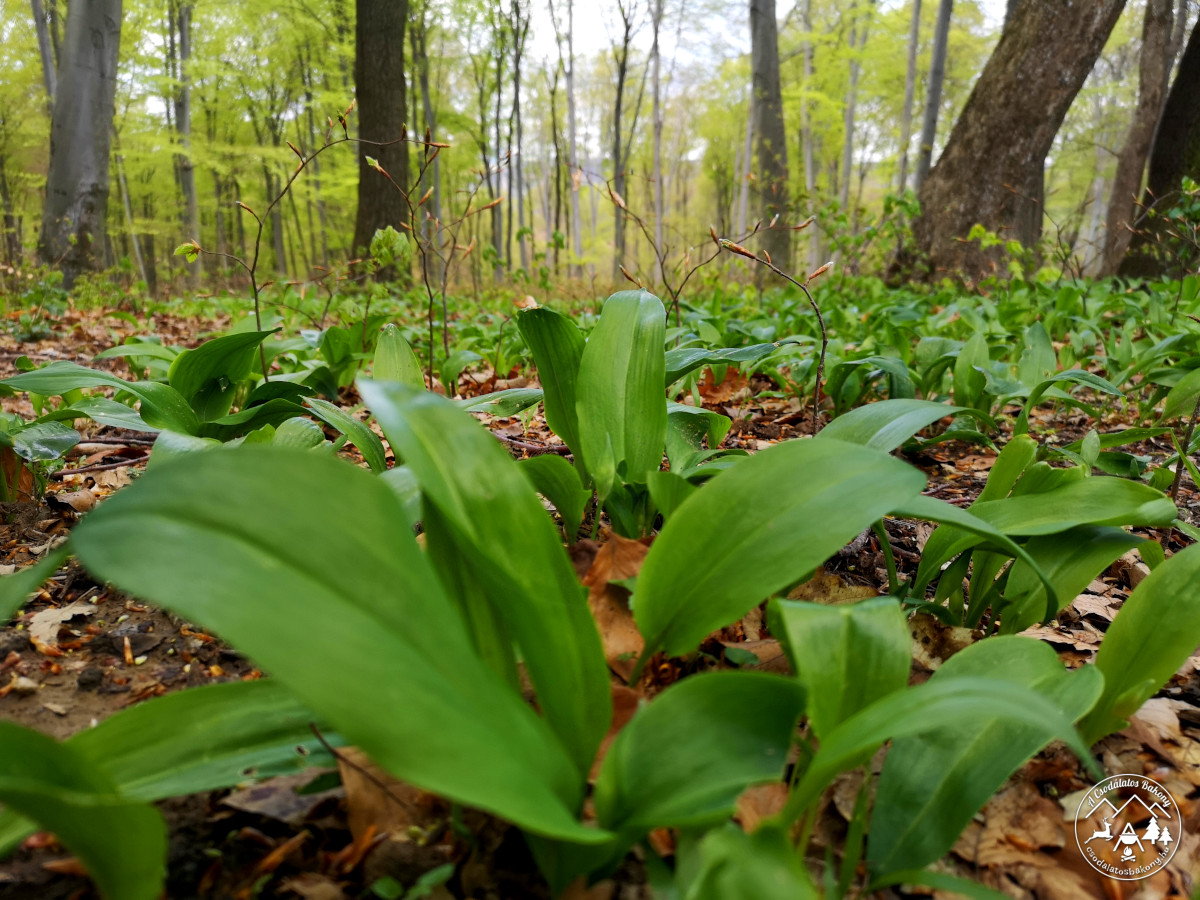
[1075, 376]
[949, 703]
[170, 444]
[123, 843]
[109, 412]
[556, 480]
[162, 405]
[299, 432]
[668, 490]
[847, 657]
[933, 784]
[359, 433]
[687, 359]
[396, 361]
[797, 503]
[140, 349]
[501, 403]
[42, 441]
[453, 366]
[15, 589]
[207, 376]
[887, 424]
[1155, 631]
[620, 399]
[734, 865]
[687, 429]
[491, 509]
[272, 412]
[1090, 501]
[326, 589]
[1182, 398]
[943, 882]
[557, 348]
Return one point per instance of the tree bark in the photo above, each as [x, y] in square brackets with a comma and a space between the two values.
[379, 85]
[183, 127]
[1154, 70]
[771, 151]
[621, 57]
[910, 83]
[933, 93]
[45, 50]
[656, 54]
[991, 172]
[80, 131]
[807, 139]
[1176, 153]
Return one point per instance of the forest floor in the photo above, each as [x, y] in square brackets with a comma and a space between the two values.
[79, 652]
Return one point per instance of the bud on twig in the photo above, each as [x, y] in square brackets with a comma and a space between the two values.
[630, 278]
[712, 233]
[617, 199]
[294, 150]
[428, 194]
[819, 272]
[736, 248]
[804, 224]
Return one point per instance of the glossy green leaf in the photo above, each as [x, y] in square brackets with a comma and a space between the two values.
[491, 509]
[109, 412]
[171, 444]
[941, 881]
[887, 424]
[688, 429]
[557, 347]
[687, 359]
[796, 504]
[396, 361]
[620, 399]
[1182, 398]
[162, 405]
[668, 490]
[272, 412]
[1090, 501]
[299, 432]
[1073, 376]
[501, 403]
[42, 441]
[1155, 631]
[734, 865]
[207, 376]
[847, 657]
[121, 842]
[684, 759]
[558, 481]
[326, 589]
[454, 365]
[933, 784]
[359, 433]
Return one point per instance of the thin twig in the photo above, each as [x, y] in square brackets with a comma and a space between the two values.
[103, 467]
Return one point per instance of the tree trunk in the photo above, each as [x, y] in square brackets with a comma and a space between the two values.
[1154, 69]
[910, 83]
[807, 139]
[1176, 153]
[576, 168]
[621, 57]
[933, 94]
[991, 170]
[80, 130]
[858, 40]
[183, 127]
[45, 50]
[420, 38]
[380, 88]
[12, 230]
[767, 106]
[656, 53]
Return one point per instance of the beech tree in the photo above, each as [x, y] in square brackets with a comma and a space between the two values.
[991, 172]
[767, 112]
[73, 220]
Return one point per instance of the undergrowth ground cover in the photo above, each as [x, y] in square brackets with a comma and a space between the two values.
[711, 598]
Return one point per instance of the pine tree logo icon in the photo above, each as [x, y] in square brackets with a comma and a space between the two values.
[1127, 827]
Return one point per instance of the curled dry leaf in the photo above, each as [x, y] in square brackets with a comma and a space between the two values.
[620, 558]
[43, 627]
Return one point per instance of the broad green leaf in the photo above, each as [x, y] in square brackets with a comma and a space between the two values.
[1182, 398]
[272, 412]
[140, 350]
[943, 882]
[1038, 359]
[1070, 560]
[170, 444]
[396, 361]
[933, 784]
[688, 427]
[1012, 462]
[299, 432]
[764, 865]
[404, 485]
[557, 347]
[887, 424]
[797, 503]
[501, 403]
[683, 760]
[453, 367]
[42, 441]
[359, 433]
[969, 379]
[847, 657]
[207, 376]
[949, 703]
[620, 399]
[1155, 631]
[668, 490]
[1075, 376]
[121, 842]
[162, 405]
[1090, 501]
[325, 588]
[111, 413]
[15, 589]
[502, 533]
[558, 481]
[686, 359]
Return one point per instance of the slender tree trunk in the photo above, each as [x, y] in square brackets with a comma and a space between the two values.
[520, 26]
[807, 139]
[128, 209]
[183, 127]
[621, 57]
[858, 40]
[45, 50]
[991, 172]
[222, 242]
[382, 111]
[576, 168]
[772, 173]
[656, 55]
[12, 230]
[1176, 153]
[1154, 69]
[77, 181]
[743, 200]
[420, 38]
[910, 82]
[933, 96]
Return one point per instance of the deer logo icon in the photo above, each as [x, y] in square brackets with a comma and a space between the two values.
[1106, 833]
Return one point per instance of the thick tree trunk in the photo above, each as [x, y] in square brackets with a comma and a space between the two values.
[42, 25]
[1155, 68]
[910, 84]
[771, 152]
[933, 93]
[1176, 153]
[991, 170]
[380, 88]
[80, 130]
